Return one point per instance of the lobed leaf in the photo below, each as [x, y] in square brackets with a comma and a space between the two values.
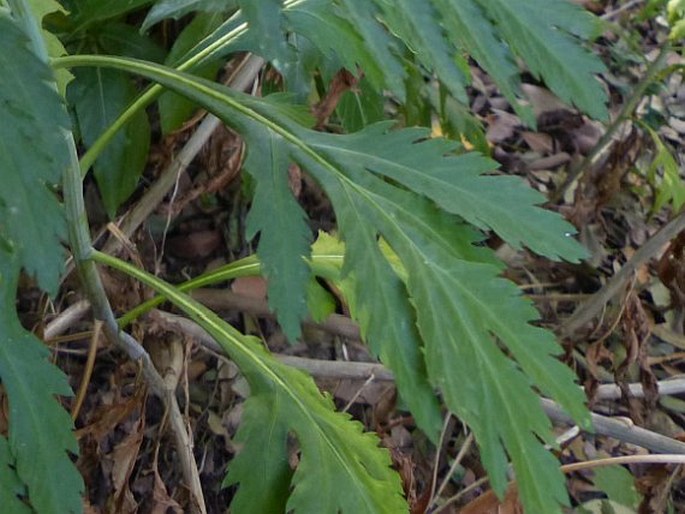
[341, 468]
[40, 430]
[459, 185]
[546, 35]
[11, 488]
[541, 33]
[378, 301]
[284, 234]
[33, 155]
[462, 308]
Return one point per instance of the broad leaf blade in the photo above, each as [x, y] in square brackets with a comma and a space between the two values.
[33, 156]
[99, 96]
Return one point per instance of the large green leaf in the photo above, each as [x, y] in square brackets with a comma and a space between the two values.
[40, 430]
[99, 96]
[462, 307]
[341, 468]
[265, 20]
[33, 156]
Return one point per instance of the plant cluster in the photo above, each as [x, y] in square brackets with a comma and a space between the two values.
[411, 212]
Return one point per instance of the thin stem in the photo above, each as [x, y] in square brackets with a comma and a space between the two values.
[81, 247]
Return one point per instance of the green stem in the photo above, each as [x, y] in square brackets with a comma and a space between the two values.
[242, 268]
[247, 267]
[151, 94]
[626, 111]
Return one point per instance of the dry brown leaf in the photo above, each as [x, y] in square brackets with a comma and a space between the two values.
[121, 463]
[538, 142]
[501, 125]
[161, 501]
[542, 100]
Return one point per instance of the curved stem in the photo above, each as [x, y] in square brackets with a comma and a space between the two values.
[81, 247]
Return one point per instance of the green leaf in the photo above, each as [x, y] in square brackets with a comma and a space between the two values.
[33, 156]
[618, 484]
[383, 47]
[119, 38]
[378, 302]
[274, 214]
[40, 430]
[459, 305]
[546, 35]
[89, 12]
[479, 37]
[41, 8]
[10, 485]
[459, 185]
[261, 467]
[541, 33]
[671, 188]
[341, 468]
[174, 109]
[265, 22]
[320, 302]
[360, 107]
[418, 27]
[175, 9]
[99, 96]
[462, 308]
